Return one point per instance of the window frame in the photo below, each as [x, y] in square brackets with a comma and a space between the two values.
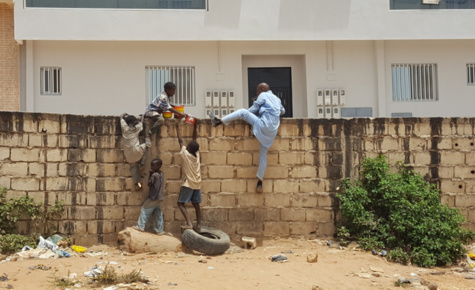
[51, 78]
[415, 82]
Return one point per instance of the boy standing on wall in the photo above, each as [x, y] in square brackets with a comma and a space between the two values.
[190, 190]
[135, 153]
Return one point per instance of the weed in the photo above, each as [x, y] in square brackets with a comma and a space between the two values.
[14, 243]
[62, 283]
[402, 210]
[109, 276]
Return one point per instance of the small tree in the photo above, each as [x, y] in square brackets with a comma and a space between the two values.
[402, 213]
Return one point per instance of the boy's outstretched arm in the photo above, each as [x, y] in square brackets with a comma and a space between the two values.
[123, 115]
[195, 134]
[178, 136]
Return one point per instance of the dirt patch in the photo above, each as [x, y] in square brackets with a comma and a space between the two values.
[335, 268]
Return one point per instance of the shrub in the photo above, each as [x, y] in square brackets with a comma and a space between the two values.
[402, 211]
[14, 243]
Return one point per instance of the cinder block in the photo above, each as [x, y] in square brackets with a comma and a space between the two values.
[172, 172]
[110, 184]
[14, 169]
[422, 158]
[303, 228]
[250, 229]
[246, 172]
[250, 200]
[247, 145]
[167, 157]
[220, 172]
[105, 198]
[132, 198]
[272, 158]
[304, 200]
[448, 199]
[25, 154]
[470, 158]
[267, 186]
[330, 172]
[277, 200]
[324, 144]
[236, 130]
[213, 158]
[292, 158]
[73, 141]
[8, 139]
[388, 143]
[56, 155]
[35, 140]
[444, 143]
[50, 141]
[29, 125]
[168, 145]
[83, 155]
[36, 169]
[422, 129]
[130, 212]
[280, 144]
[102, 142]
[86, 240]
[25, 184]
[276, 229]
[173, 186]
[234, 185]
[324, 199]
[446, 172]
[463, 144]
[214, 214]
[310, 158]
[304, 171]
[83, 213]
[4, 153]
[221, 144]
[51, 126]
[286, 186]
[319, 215]
[66, 183]
[80, 227]
[394, 157]
[240, 158]
[315, 185]
[292, 214]
[289, 130]
[418, 144]
[111, 212]
[37, 196]
[110, 239]
[275, 172]
[105, 170]
[72, 169]
[326, 229]
[452, 158]
[267, 214]
[241, 214]
[5, 182]
[222, 200]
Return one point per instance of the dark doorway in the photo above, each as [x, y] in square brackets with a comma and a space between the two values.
[279, 80]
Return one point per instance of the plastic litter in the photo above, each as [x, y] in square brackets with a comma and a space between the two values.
[172, 284]
[63, 254]
[54, 239]
[45, 244]
[39, 267]
[78, 249]
[26, 248]
[279, 258]
[95, 271]
[383, 253]
[211, 267]
[4, 277]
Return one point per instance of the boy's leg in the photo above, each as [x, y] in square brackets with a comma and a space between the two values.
[134, 170]
[241, 114]
[261, 170]
[158, 224]
[184, 212]
[198, 217]
[145, 213]
[142, 163]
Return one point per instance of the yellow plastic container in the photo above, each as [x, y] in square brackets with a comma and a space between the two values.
[180, 109]
[78, 249]
[167, 114]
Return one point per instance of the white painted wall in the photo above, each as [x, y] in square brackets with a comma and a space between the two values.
[246, 20]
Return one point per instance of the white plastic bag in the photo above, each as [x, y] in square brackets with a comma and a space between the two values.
[45, 244]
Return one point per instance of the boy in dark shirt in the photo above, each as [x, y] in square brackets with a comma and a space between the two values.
[155, 197]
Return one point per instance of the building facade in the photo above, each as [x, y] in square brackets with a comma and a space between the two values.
[325, 59]
[9, 60]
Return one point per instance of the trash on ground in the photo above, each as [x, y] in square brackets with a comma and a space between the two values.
[45, 244]
[312, 258]
[26, 248]
[4, 277]
[78, 249]
[287, 252]
[249, 243]
[63, 254]
[40, 267]
[279, 258]
[94, 272]
[172, 284]
[211, 267]
[54, 239]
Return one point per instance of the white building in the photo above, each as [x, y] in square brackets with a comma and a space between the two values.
[385, 59]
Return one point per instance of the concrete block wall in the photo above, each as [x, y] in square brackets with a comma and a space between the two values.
[78, 160]
[9, 61]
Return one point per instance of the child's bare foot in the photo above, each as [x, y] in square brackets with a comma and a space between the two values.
[197, 228]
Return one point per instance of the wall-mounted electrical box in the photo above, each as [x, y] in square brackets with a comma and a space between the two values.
[224, 98]
[328, 98]
[335, 97]
[328, 112]
[215, 98]
[319, 97]
[342, 97]
[216, 113]
[321, 112]
[208, 98]
[231, 99]
[336, 112]
[208, 111]
[224, 112]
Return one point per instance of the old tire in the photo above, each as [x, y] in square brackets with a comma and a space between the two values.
[210, 241]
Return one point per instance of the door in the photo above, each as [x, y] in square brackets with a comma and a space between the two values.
[279, 80]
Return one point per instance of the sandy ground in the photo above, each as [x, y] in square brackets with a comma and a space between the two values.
[336, 268]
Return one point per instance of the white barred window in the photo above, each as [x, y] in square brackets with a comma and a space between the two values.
[51, 80]
[415, 82]
[470, 74]
[182, 76]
